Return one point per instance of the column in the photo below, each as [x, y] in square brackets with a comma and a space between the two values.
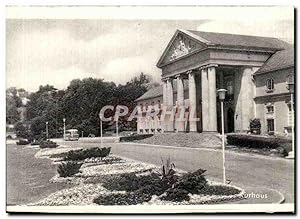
[180, 102]
[204, 100]
[193, 102]
[246, 97]
[165, 103]
[165, 98]
[212, 98]
[170, 120]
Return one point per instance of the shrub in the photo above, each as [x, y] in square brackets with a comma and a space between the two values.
[168, 174]
[35, 143]
[255, 126]
[135, 137]
[176, 195]
[48, 144]
[192, 182]
[68, 169]
[87, 153]
[255, 141]
[131, 198]
[218, 190]
[131, 182]
[23, 142]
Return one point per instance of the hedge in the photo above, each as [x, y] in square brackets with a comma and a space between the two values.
[256, 141]
[135, 137]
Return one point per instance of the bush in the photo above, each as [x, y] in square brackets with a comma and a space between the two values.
[23, 142]
[176, 195]
[35, 143]
[219, 190]
[131, 198]
[87, 153]
[135, 137]
[255, 126]
[192, 182]
[255, 141]
[168, 174]
[68, 169]
[48, 144]
[129, 182]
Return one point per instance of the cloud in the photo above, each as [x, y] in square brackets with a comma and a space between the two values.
[123, 68]
[45, 51]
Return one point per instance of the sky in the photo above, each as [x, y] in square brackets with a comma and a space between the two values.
[45, 50]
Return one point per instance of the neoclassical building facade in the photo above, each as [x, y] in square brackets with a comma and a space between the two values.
[254, 71]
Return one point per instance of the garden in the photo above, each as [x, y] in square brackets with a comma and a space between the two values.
[99, 177]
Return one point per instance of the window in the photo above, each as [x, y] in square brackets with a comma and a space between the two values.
[270, 109]
[270, 85]
[229, 86]
[270, 124]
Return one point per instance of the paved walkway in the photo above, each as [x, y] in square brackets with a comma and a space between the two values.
[243, 170]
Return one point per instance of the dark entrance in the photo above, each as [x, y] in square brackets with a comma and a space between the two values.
[230, 120]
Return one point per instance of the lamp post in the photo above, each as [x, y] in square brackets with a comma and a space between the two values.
[101, 134]
[117, 127]
[64, 120]
[221, 93]
[47, 136]
[291, 88]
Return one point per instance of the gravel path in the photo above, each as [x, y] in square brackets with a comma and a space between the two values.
[28, 177]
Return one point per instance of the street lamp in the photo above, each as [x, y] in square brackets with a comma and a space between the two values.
[221, 93]
[64, 120]
[291, 88]
[101, 132]
[47, 136]
[117, 126]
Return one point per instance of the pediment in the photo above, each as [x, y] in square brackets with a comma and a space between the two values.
[180, 46]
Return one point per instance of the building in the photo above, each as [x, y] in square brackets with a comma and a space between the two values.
[254, 71]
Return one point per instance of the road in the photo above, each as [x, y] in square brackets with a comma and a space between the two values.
[243, 169]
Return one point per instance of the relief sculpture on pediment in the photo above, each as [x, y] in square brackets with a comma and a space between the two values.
[181, 46]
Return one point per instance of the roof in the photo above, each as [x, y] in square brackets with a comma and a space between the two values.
[153, 92]
[158, 92]
[224, 39]
[279, 60]
[282, 58]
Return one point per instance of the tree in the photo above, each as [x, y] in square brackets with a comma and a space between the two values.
[80, 105]
[13, 102]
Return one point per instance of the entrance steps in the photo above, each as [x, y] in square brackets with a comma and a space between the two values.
[193, 140]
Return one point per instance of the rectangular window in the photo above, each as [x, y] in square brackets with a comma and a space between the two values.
[270, 124]
[270, 109]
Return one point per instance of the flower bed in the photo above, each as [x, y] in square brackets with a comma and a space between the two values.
[114, 180]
